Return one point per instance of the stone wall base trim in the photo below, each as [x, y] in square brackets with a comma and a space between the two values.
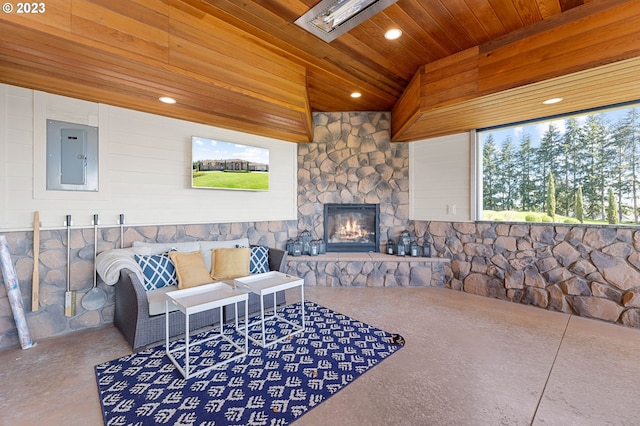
[49, 320]
[591, 271]
[370, 270]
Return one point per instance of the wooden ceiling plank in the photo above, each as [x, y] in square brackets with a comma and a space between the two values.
[507, 14]
[140, 90]
[94, 21]
[463, 26]
[225, 38]
[573, 16]
[368, 78]
[80, 60]
[288, 10]
[135, 45]
[545, 75]
[572, 90]
[611, 41]
[149, 13]
[549, 8]
[528, 11]
[437, 28]
[392, 57]
[421, 43]
[487, 17]
[57, 12]
[462, 13]
[278, 91]
[241, 59]
[570, 4]
[391, 54]
[323, 90]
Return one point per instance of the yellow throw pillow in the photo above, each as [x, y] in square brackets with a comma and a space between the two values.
[190, 269]
[229, 263]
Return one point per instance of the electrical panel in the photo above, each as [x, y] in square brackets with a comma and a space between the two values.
[72, 156]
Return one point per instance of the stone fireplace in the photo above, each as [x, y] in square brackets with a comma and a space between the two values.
[352, 160]
[352, 227]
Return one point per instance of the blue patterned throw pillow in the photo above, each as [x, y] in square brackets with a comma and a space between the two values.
[259, 260]
[158, 271]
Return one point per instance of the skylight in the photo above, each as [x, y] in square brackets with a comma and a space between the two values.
[329, 19]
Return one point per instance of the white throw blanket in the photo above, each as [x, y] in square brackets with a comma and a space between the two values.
[110, 262]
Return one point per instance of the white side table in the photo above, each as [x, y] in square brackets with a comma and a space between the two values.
[198, 299]
[269, 283]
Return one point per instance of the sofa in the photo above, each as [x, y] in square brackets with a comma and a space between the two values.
[139, 310]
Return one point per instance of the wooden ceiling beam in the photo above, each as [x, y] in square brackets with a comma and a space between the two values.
[495, 74]
[225, 76]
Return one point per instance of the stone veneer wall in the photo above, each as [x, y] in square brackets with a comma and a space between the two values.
[49, 320]
[352, 160]
[590, 271]
[370, 270]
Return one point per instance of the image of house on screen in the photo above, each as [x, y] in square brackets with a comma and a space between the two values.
[232, 165]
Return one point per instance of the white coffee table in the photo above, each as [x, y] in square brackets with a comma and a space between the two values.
[206, 297]
[269, 283]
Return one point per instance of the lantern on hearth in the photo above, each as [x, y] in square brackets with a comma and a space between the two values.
[401, 250]
[391, 247]
[305, 239]
[322, 246]
[405, 240]
[313, 248]
[297, 248]
[426, 248]
[289, 246]
[414, 249]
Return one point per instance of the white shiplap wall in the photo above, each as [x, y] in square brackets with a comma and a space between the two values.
[144, 168]
[440, 178]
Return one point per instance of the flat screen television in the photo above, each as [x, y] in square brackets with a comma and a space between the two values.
[217, 164]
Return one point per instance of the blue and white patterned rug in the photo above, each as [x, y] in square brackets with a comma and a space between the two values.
[271, 387]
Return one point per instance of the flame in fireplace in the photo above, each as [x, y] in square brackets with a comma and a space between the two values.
[351, 227]
[351, 230]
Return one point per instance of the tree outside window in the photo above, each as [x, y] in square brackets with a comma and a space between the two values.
[585, 164]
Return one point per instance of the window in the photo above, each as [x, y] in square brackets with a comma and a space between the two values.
[580, 168]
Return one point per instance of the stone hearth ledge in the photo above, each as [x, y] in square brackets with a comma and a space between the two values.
[371, 270]
[364, 257]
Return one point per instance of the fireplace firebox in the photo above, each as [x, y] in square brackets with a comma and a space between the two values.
[352, 227]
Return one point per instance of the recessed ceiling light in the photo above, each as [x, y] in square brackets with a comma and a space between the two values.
[552, 101]
[167, 100]
[356, 94]
[393, 34]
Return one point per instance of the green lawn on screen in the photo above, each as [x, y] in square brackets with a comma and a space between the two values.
[232, 180]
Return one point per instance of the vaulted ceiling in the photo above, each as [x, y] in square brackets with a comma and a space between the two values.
[245, 65]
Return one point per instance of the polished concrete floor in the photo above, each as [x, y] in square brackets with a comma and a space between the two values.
[468, 360]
